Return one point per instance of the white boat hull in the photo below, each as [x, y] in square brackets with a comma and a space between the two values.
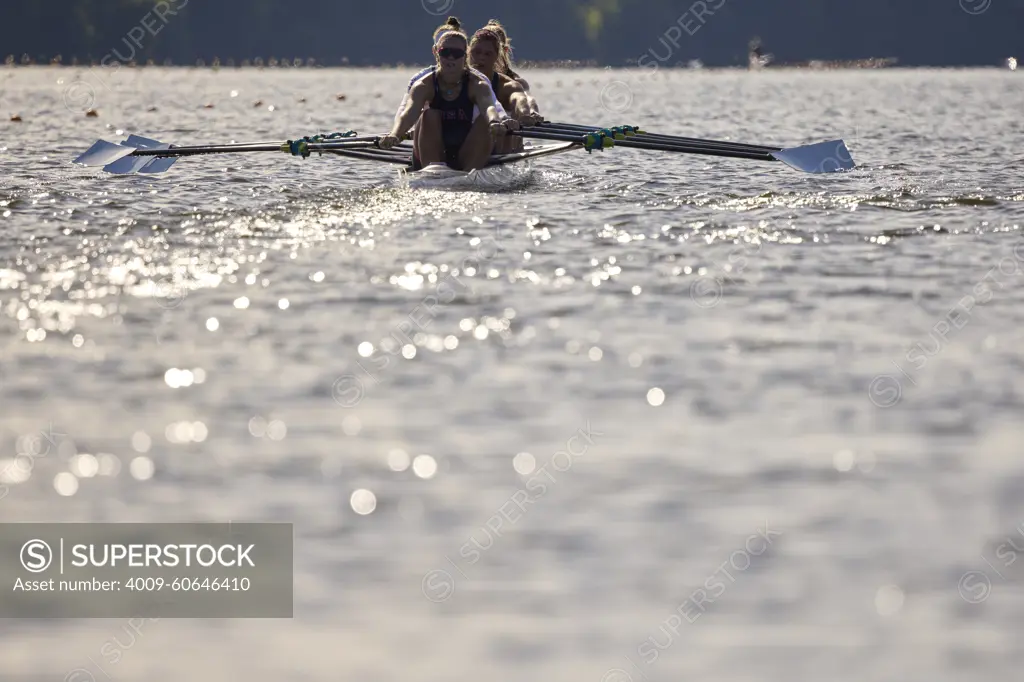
[440, 176]
[504, 172]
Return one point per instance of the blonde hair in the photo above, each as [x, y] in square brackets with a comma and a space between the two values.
[504, 49]
[453, 25]
[450, 28]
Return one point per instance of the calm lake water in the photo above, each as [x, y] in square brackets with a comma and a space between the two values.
[792, 402]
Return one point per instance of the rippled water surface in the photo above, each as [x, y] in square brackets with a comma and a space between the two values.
[792, 400]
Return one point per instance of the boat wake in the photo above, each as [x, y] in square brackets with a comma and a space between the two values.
[505, 178]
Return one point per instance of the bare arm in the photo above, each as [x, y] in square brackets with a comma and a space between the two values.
[401, 108]
[523, 104]
[483, 97]
[413, 106]
[520, 105]
[532, 104]
[534, 108]
[405, 100]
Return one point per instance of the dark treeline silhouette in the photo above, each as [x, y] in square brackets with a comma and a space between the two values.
[609, 32]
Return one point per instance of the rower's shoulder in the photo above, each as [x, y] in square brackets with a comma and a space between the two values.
[511, 83]
[422, 81]
[477, 76]
[478, 80]
[422, 77]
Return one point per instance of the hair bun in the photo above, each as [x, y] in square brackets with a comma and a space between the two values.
[454, 22]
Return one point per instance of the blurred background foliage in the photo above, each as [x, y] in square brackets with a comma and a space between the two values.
[609, 32]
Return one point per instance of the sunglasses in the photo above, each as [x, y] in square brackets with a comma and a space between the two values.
[452, 52]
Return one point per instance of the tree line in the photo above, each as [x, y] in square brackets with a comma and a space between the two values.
[607, 32]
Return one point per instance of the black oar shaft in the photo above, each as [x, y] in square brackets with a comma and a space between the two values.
[655, 145]
[696, 149]
[263, 147]
[373, 155]
[718, 144]
[194, 151]
[722, 144]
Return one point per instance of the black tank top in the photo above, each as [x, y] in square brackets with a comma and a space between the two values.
[456, 115]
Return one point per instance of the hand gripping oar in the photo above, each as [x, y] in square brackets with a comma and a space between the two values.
[823, 157]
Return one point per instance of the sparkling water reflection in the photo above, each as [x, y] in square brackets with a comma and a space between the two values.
[542, 429]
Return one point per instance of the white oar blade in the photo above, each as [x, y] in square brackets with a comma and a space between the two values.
[158, 164]
[145, 142]
[127, 165]
[133, 164]
[103, 153]
[152, 164]
[823, 157]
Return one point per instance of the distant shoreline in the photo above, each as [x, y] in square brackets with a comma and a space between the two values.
[812, 65]
[868, 63]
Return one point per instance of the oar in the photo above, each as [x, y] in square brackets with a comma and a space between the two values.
[631, 132]
[135, 154]
[404, 159]
[823, 157]
[652, 145]
[234, 149]
[103, 152]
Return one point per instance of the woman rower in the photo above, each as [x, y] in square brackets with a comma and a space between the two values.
[452, 24]
[487, 55]
[504, 64]
[446, 132]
